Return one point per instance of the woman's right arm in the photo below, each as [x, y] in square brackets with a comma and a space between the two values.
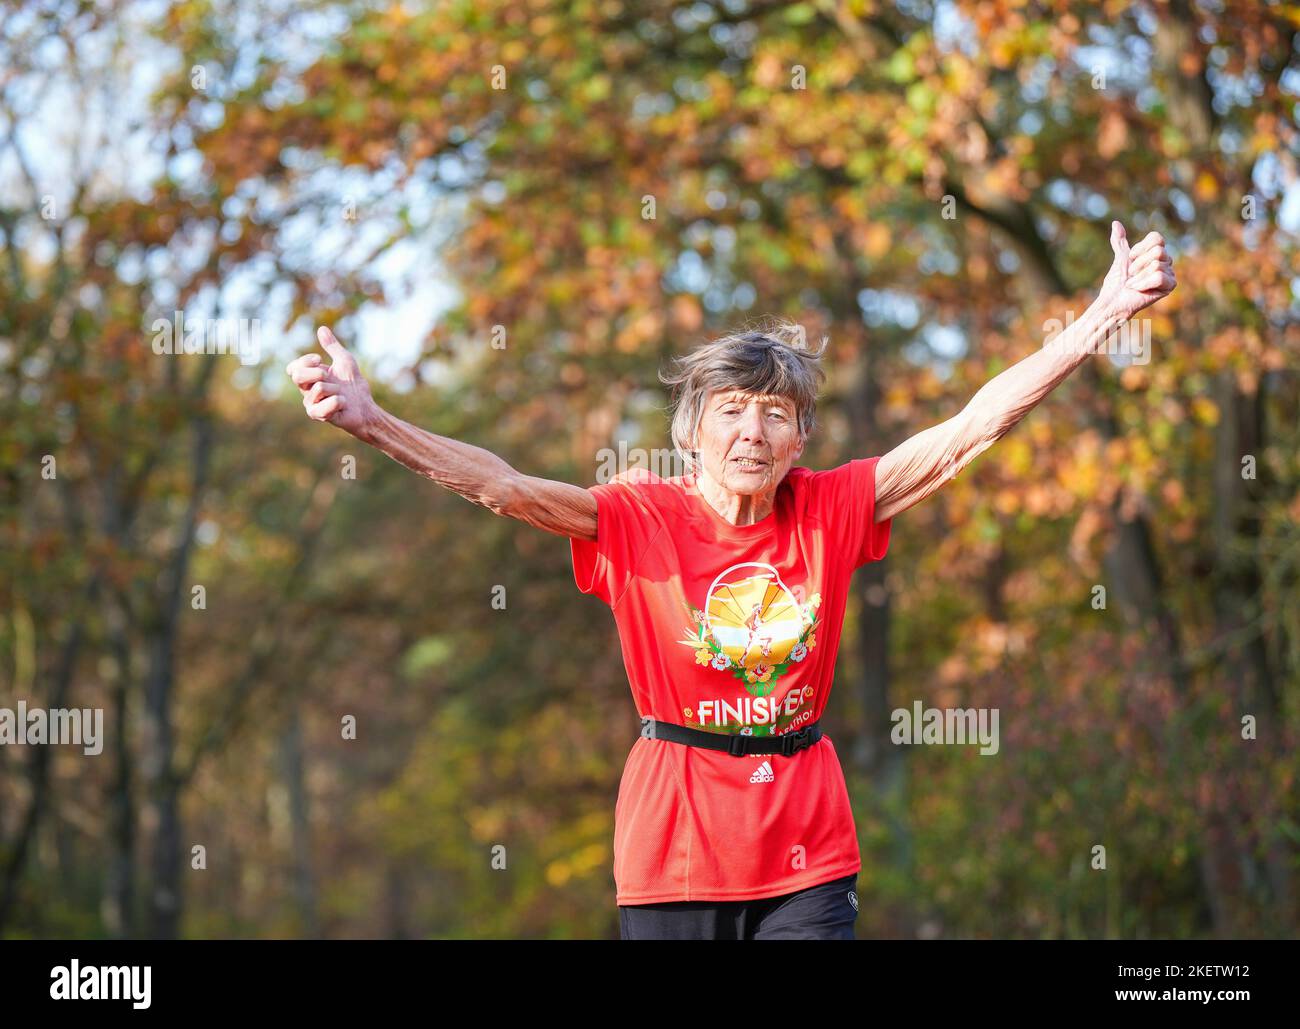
[340, 395]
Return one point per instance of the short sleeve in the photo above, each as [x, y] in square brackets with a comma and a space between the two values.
[625, 526]
[844, 499]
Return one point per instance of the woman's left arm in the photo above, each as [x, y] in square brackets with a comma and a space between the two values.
[918, 467]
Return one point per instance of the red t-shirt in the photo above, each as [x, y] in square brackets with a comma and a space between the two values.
[731, 629]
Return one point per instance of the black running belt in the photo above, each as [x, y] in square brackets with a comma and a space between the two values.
[735, 745]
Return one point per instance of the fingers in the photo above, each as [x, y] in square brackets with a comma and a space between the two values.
[303, 378]
[305, 370]
[325, 409]
[1149, 257]
[1158, 279]
[1146, 262]
[1151, 242]
[320, 391]
[333, 347]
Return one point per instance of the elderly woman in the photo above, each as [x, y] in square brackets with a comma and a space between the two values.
[728, 587]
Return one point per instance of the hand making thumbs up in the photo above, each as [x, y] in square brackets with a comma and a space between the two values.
[336, 393]
[1139, 276]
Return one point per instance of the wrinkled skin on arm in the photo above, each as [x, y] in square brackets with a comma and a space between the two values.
[921, 465]
[555, 506]
[338, 394]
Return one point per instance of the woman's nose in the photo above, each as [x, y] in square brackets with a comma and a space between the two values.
[752, 424]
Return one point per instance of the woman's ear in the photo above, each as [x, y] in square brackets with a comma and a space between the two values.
[694, 444]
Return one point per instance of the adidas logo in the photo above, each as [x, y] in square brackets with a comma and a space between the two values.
[763, 773]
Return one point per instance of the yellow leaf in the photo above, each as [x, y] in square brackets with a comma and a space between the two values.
[1290, 12]
[878, 240]
[1206, 411]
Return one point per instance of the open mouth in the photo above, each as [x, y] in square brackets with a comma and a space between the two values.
[748, 462]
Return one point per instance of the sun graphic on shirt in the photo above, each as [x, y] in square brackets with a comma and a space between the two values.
[753, 626]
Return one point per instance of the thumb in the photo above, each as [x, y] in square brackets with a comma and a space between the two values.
[332, 346]
[1118, 239]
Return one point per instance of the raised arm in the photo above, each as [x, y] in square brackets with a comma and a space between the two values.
[919, 466]
[338, 394]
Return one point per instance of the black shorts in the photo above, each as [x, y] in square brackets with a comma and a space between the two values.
[823, 912]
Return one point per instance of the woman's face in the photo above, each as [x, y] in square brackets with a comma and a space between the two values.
[739, 425]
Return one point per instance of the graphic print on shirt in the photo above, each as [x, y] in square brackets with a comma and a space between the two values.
[753, 627]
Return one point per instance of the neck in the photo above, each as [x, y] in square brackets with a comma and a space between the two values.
[737, 508]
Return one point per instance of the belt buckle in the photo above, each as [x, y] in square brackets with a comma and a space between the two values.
[788, 741]
[736, 745]
[647, 728]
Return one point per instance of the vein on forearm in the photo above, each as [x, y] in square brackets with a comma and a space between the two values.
[1008, 397]
[478, 475]
[921, 465]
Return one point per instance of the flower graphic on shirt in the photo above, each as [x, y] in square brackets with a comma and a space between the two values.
[752, 625]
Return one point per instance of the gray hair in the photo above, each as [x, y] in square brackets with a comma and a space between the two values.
[774, 359]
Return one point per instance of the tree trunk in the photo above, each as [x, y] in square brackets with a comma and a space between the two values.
[162, 783]
[291, 765]
[39, 763]
[119, 886]
[1245, 668]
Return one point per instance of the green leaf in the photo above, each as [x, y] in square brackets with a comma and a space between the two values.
[901, 67]
[920, 97]
[426, 654]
